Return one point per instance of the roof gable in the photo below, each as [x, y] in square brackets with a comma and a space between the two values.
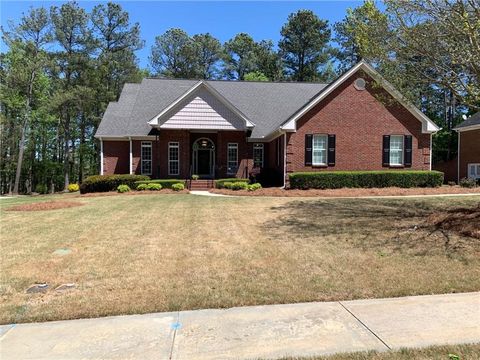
[428, 126]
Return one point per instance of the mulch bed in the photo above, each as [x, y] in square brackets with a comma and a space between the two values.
[45, 205]
[346, 192]
[133, 192]
[464, 221]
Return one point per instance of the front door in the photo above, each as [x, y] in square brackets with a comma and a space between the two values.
[204, 166]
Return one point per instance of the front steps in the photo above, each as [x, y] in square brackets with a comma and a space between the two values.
[202, 184]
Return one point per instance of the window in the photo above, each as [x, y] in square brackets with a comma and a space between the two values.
[319, 150]
[173, 158]
[146, 156]
[474, 171]
[396, 150]
[258, 155]
[232, 158]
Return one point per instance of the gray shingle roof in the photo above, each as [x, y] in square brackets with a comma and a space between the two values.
[266, 104]
[472, 120]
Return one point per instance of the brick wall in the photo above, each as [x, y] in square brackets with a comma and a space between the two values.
[469, 150]
[359, 122]
[116, 155]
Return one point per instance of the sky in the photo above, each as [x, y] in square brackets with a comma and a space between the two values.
[222, 19]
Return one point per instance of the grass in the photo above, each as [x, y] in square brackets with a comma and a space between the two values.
[447, 352]
[147, 253]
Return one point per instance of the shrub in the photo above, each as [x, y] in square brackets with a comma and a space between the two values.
[154, 187]
[468, 183]
[73, 187]
[103, 183]
[365, 179]
[220, 183]
[41, 188]
[141, 187]
[178, 187]
[195, 177]
[237, 185]
[123, 188]
[451, 183]
[166, 183]
[254, 187]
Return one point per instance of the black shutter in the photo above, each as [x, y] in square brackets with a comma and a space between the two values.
[407, 142]
[331, 150]
[308, 149]
[386, 150]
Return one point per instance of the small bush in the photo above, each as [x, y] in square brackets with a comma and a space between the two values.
[123, 188]
[104, 183]
[41, 189]
[365, 179]
[195, 177]
[154, 187]
[468, 183]
[178, 187]
[451, 183]
[166, 183]
[142, 187]
[237, 185]
[254, 187]
[73, 187]
[220, 183]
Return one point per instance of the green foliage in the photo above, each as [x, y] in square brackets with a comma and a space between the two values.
[178, 187]
[154, 187]
[254, 187]
[304, 45]
[41, 189]
[195, 177]
[166, 183]
[365, 179]
[255, 76]
[123, 188]
[468, 183]
[73, 187]
[141, 187]
[237, 185]
[220, 183]
[104, 183]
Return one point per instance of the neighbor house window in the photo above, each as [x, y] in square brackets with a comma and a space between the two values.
[319, 149]
[474, 171]
[396, 150]
[232, 158]
[173, 158]
[258, 155]
[146, 158]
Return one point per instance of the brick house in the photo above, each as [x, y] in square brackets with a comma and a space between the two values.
[175, 128]
[468, 159]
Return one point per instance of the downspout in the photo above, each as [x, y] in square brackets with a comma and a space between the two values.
[431, 150]
[284, 160]
[458, 157]
[101, 156]
[131, 156]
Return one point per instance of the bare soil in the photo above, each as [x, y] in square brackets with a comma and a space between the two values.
[463, 221]
[349, 192]
[45, 205]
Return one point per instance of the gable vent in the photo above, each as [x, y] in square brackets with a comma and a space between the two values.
[360, 84]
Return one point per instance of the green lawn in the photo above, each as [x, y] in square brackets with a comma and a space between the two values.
[146, 253]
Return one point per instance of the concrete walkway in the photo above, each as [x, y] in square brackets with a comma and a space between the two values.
[265, 332]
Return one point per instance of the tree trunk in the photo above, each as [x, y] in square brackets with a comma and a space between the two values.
[21, 151]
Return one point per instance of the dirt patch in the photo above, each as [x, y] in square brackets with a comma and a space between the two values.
[346, 192]
[133, 192]
[464, 221]
[45, 205]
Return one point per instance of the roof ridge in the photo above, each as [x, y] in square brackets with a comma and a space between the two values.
[241, 81]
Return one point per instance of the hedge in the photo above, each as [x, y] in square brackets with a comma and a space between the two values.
[104, 183]
[365, 179]
[220, 183]
[166, 183]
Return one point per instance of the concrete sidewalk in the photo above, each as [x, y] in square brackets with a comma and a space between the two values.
[270, 331]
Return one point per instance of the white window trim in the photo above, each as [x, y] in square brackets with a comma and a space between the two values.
[326, 149]
[235, 146]
[174, 145]
[262, 147]
[477, 173]
[403, 151]
[146, 144]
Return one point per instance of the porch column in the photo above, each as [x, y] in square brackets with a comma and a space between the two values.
[131, 156]
[101, 156]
